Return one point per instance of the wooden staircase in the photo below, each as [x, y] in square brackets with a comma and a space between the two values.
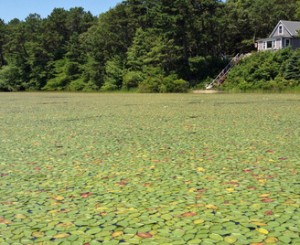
[223, 74]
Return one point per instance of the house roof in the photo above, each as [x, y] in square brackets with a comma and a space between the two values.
[266, 39]
[291, 26]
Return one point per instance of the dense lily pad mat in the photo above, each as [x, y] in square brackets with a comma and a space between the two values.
[149, 169]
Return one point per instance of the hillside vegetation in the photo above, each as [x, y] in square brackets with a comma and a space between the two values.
[270, 70]
[149, 45]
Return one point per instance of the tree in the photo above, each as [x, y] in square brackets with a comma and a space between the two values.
[151, 51]
[114, 69]
[297, 10]
[2, 42]
[15, 51]
[10, 79]
[106, 39]
[136, 44]
[292, 69]
[249, 20]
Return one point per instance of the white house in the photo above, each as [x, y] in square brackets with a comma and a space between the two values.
[285, 34]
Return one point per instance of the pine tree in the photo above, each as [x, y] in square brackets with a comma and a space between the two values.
[292, 69]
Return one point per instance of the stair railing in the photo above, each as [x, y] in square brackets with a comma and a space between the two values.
[222, 75]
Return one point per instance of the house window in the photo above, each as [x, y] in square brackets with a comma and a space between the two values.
[287, 42]
[269, 44]
[280, 30]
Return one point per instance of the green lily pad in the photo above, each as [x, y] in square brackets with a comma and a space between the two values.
[230, 239]
[101, 172]
[93, 231]
[284, 239]
[216, 237]
[198, 221]
[194, 241]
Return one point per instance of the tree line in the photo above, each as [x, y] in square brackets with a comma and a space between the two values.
[149, 45]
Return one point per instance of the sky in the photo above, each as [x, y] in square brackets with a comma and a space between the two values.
[10, 9]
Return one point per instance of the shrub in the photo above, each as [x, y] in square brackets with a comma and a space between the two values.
[72, 69]
[109, 86]
[57, 83]
[266, 70]
[90, 87]
[114, 69]
[132, 79]
[76, 85]
[150, 85]
[292, 68]
[160, 84]
[9, 79]
[171, 84]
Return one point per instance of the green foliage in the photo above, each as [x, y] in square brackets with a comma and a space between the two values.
[171, 84]
[297, 8]
[197, 64]
[92, 71]
[2, 42]
[131, 79]
[151, 48]
[151, 85]
[58, 83]
[202, 68]
[58, 79]
[141, 41]
[281, 84]
[160, 84]
[109, 86]
[76, 85]
[72, 69]
[10, 79]
[248, 20]
[265, 70]
[113, 74]
[292, 68]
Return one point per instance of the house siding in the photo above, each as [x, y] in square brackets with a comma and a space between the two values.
[260, 46]
[285, 34]
[278, 43]
[295, 43]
